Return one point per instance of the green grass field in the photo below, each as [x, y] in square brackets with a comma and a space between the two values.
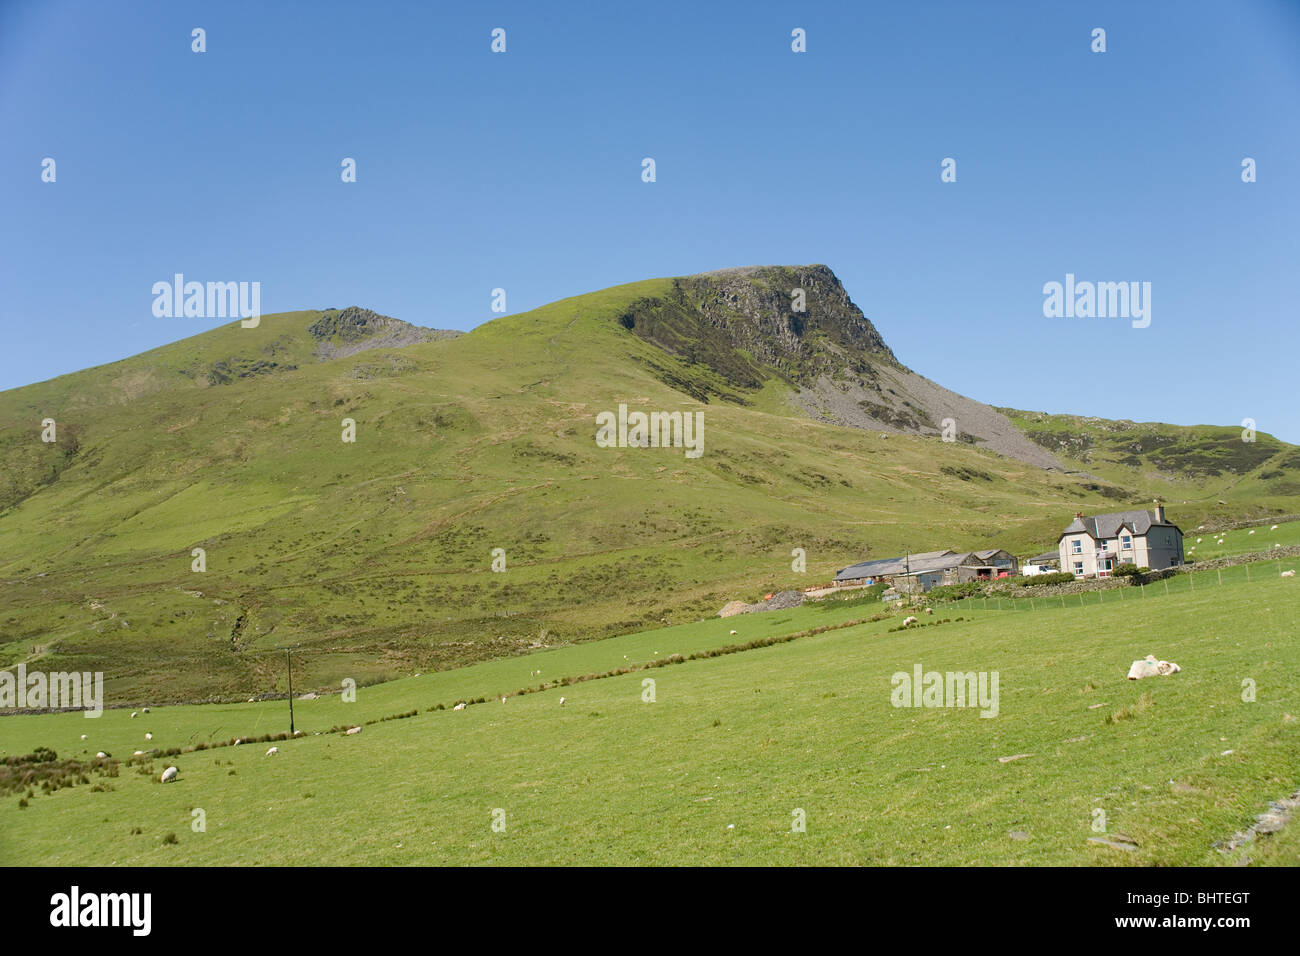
[1204, 545]
[713, 771]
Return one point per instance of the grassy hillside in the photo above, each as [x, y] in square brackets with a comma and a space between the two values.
[1183, 464]
[712, 771]
[377, 555]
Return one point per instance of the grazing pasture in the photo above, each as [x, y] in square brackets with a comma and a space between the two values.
[720, 759]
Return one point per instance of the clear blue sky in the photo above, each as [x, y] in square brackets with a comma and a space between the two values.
[523, 170]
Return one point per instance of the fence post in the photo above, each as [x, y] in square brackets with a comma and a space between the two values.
[1166, 587]
[1191, 580]
[1247, 573]
[1219, 572]
[1143, 588]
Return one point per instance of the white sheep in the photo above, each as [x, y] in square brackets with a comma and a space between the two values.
[133, 714]
[1150, 667]
[273, 751]
[238, 741]
[101, 755]
[460, 706]
[1290, 573]
[137, 753]
[83, 736]
[908, 621]
[148, 736]
[1198, 540]
[169, 774]
[1274, 528]
[353, 730]
[1252, 531]
[733, 633]
[561, 701]
[146, 710]
[929, 610]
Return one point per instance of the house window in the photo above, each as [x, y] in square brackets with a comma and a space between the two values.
[1103, 545]
[1126, 542]
[1076, 546]
[1078, 567]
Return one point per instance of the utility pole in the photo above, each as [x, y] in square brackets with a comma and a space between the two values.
[288, 653]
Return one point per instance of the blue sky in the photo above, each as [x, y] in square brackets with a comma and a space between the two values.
[523, 171]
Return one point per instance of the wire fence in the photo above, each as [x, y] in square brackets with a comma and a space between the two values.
[1184, 583]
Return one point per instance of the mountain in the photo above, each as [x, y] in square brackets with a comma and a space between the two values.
[740, 325]
[377, 555]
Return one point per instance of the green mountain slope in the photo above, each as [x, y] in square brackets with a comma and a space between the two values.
[1250, 472]
[376, 555]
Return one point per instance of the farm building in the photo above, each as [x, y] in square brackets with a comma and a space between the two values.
[1094, 546]
[920, 572]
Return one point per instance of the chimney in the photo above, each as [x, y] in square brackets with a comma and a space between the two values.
[1160, 513]
[1078, 514]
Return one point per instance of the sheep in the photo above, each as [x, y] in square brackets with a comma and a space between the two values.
[146, 710]
[138, 753]
[1150, 667]
[460, 706]
[909, 621]
[148, 736]
[353, 730]
[561, 701]
[273, 751]
[169, 774]
[929, 610]
[1198, 540]
[83, 736]
[238, 741]
[1277, 545]
[733, 633]
[1252, 531]
[1274, 528]
[102, 755]
[134, 713]
[1289, 573]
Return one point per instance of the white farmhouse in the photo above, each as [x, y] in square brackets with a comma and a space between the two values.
[1095, 546]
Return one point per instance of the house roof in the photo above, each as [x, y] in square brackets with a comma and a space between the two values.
[1109, 525]
[871, 569]
[1045, 557]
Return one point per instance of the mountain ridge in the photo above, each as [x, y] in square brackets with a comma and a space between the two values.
[377, 554]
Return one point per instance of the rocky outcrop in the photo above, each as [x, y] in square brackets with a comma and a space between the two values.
[796, 324]
[354, 329]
